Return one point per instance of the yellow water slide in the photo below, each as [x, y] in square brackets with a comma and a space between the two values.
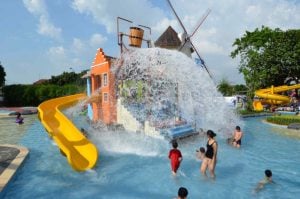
[272, 96]
[79, 151]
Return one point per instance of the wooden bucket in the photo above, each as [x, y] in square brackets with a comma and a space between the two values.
[136, 36]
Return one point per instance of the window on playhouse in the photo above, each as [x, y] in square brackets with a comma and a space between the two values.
[97, 81]
[105, 97]
[105, 79]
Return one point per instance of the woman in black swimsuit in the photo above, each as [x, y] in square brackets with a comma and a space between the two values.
[210, 159]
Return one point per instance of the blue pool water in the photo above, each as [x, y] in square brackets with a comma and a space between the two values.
[135, 166]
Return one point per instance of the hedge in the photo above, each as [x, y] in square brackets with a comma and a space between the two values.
[283, 119]
[33, 95]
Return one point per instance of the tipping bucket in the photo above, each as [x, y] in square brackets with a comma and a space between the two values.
[136, 36]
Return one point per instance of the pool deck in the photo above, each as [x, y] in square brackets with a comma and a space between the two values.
[11, 111]
[11, 158]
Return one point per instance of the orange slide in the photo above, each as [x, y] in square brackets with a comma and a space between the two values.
[79, 151]
[272, 96]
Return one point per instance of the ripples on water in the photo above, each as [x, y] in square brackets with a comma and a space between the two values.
[10, 131]
[136, 166]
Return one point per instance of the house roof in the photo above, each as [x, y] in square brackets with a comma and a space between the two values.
[100, 57]
[88, 74]
[40, 81]
[168, 39]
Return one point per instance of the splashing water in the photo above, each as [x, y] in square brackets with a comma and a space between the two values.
[172, 85]
[128, 143]
[166, 84]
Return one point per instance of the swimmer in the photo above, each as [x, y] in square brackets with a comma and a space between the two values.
[266, 180]
[175, 157]
[210, 159]
[237, 137]
[84, 132]
[182, 193]
[19, 118]
[201, 153]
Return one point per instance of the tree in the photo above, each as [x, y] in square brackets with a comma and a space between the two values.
[68, 78]
[240, 89]
[268, 57]
[228, 89]
[2, 76]
[225, 88]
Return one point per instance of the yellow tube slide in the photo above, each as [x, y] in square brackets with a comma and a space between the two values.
[271, 96]
[79, 151]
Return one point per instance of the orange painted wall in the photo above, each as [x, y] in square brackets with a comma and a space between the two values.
[103, 110]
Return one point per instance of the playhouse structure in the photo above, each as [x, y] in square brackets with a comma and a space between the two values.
[102, 89]
[105, 103]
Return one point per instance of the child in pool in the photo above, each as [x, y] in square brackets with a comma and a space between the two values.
[84, 132]
[182, 193]
[201, 153]
[175, 157]
[266, 180]
[19, 118]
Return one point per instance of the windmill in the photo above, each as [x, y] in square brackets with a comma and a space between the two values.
[187, 45]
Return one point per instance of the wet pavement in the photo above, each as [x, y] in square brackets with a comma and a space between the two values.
[7, 154]
[11, 158]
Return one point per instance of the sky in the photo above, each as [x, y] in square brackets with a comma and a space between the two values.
[41, 38]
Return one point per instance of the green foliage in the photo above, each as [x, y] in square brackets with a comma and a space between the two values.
[249, 112]
[68, 78]
[14, 94]
[2, 76]
[268, 57]
[283, 119]
[240, 89]
[33, 95]
[227, 89]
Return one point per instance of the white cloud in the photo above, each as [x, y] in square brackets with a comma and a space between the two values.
[208, 47]
[48, 29]
[228, 20]
[45, 26]
[78, 55]
[77, 46]
[57, 51]
[163, 24]
[36, 7]
[97, 40]
[106, 12]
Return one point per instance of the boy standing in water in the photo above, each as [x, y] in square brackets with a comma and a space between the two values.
[175, 157]
[237, 137]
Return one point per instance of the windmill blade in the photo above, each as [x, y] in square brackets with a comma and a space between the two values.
[201, 21]
[181, 24]
[202, 60]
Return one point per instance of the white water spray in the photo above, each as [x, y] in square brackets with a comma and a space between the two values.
[172, 84]
[172, 79]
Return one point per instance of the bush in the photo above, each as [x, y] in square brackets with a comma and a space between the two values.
[33, 95]
[283, 119]
[249, 112]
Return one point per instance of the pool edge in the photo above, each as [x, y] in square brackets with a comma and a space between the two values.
[10, 171]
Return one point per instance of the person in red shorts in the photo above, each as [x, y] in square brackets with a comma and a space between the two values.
[175, 157]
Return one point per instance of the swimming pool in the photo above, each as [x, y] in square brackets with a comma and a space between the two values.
[10, 131]
[136, 166]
